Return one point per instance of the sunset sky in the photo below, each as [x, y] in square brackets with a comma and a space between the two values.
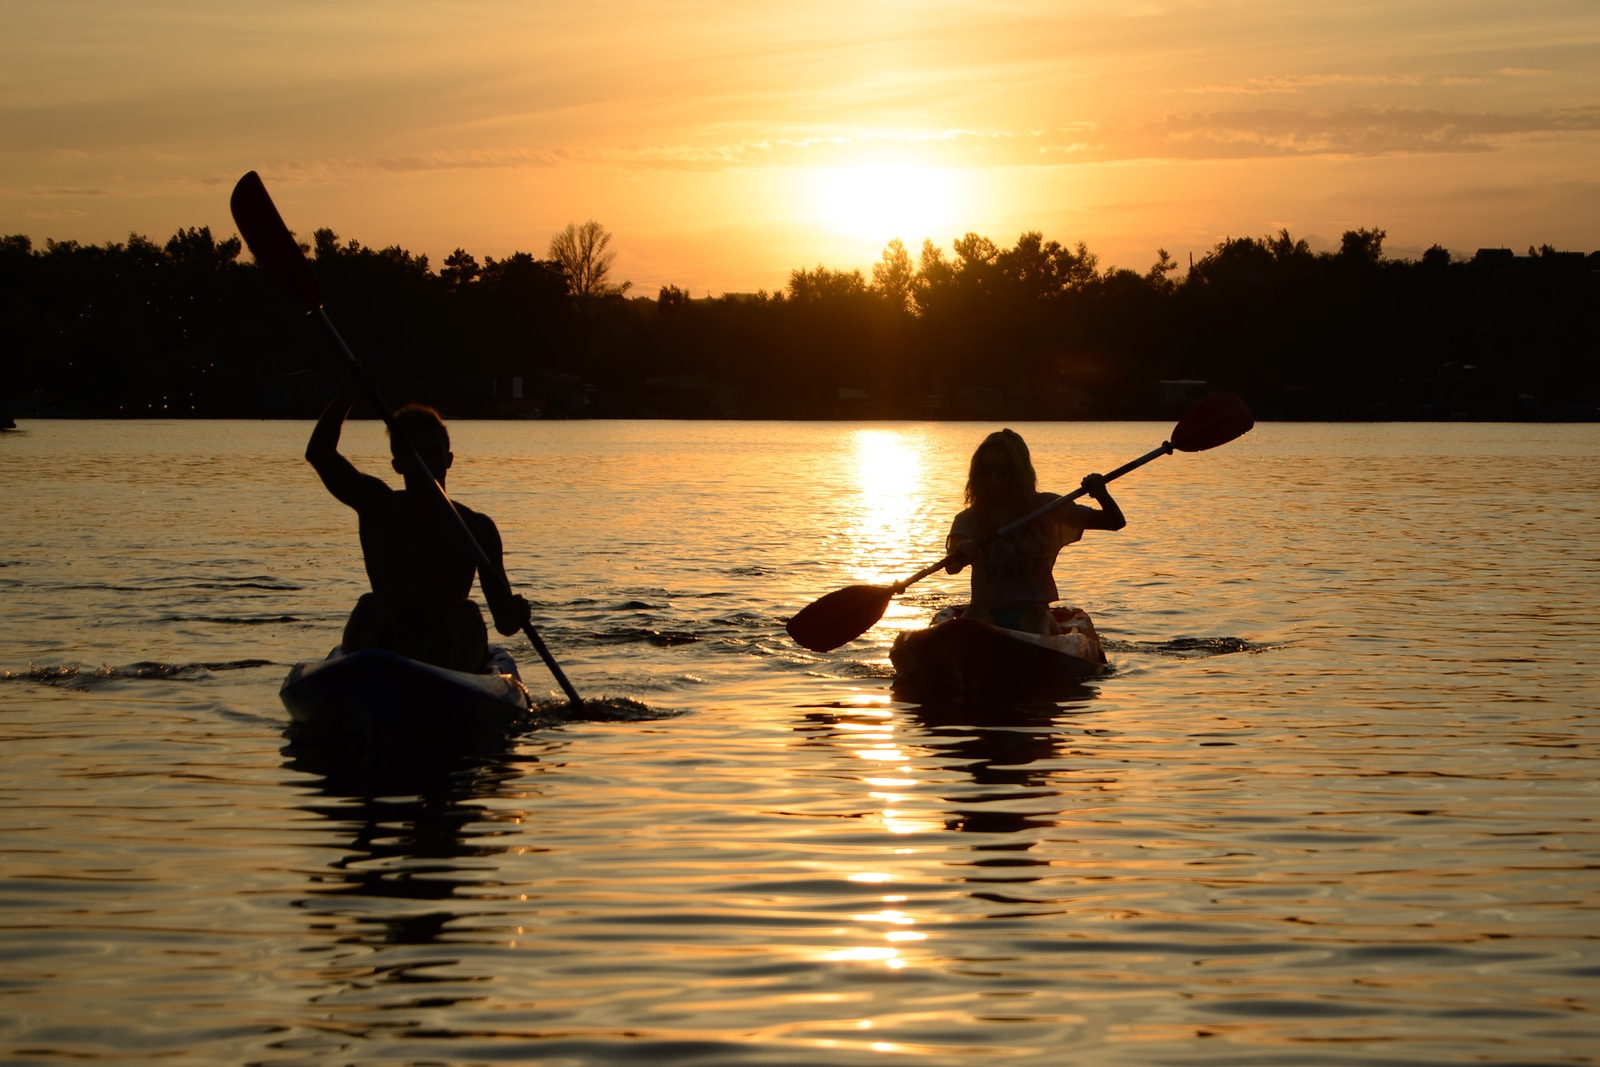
[725, 144]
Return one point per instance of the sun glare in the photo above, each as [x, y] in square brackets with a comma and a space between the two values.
[888, 467]
[888, 526]
[883, 202]
[889, 472]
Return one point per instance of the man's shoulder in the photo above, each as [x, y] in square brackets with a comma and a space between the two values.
[471, 513]
[363, 491]
[479, 523]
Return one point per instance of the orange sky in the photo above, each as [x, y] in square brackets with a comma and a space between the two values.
[725, 143]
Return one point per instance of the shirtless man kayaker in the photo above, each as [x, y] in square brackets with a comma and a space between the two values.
[419, 565]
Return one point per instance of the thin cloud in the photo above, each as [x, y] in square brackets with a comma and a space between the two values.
[338, 170]
[1290, 84]
[1195, 136]
[474, 159]
[949, 148]
[1294, 83]
[64, 192]
[1264, 133]
[1373, 131]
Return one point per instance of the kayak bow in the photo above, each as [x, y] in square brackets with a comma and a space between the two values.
[381, 701]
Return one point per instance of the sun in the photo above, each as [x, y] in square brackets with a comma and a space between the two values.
[887, 201]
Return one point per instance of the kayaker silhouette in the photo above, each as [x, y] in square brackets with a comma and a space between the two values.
[418, 564]
[1013, 577]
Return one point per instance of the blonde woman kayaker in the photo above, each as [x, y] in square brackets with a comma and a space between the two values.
[419, 566]
[1013, 577]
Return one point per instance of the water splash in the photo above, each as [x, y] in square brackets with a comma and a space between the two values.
[70, 674]
[1186, 647]
[554, 712]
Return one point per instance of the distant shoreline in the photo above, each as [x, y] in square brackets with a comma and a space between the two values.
[1035, 332]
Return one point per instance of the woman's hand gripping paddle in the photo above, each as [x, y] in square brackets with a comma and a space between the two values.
[275, 251]
[845, 614]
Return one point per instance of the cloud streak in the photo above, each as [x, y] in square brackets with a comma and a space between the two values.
[1216, 135]
[1362, 131]
[1189, 136]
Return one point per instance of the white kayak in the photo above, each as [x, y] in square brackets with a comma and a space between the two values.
[383, 700]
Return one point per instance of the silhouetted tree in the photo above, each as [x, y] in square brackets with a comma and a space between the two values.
[583, 251]
[1285, 249]
[893, 276]
[808, 287]
[1163, 266]
[1041, 269]
[460, 268]
[934, 276]
[1362, 246]
[519, 316]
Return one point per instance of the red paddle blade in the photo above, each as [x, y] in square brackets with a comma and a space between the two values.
[1216, 420]
[840, 617]
[270, 241]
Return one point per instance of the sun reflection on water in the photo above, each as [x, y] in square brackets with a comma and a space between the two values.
[889, 472]
[886, 931]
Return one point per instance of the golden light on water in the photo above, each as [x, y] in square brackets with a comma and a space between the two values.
[898, 918]
[889, 477]
[865, 954]
[887, 929]
[910, 822]
[888, 467]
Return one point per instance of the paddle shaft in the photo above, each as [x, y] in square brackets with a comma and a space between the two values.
[490, 576]
[1013, 527]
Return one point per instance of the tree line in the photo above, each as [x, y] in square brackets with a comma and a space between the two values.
[1036, 330]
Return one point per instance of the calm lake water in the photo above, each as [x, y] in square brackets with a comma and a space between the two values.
[1335, 805]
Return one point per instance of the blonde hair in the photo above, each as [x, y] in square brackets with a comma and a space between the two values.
[1009, 444]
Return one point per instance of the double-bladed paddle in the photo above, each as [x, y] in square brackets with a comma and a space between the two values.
[275, 250]
[845, 614]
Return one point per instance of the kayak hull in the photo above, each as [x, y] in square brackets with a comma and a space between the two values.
[958, 660]
[382, 701]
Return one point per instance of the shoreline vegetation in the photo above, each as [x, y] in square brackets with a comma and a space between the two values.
[1035, 331]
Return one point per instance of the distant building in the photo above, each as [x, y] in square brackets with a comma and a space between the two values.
[1546, 260]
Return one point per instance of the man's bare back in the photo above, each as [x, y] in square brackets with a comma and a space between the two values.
[418, 564]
